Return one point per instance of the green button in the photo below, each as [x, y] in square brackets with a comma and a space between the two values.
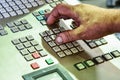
[80, 66]
[89, 63]
[49, 61]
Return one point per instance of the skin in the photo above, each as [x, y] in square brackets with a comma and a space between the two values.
[92, 22]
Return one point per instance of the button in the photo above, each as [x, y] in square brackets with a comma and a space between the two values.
[80, 66]
[36, 14]
[103, 41]
[20, 46]
[47, 38]
[3, 32]
[14, 29]
[69, 45]
[42, 12]
[27, 44]
[21, 27]
[61, 54]
[35, 65]
[92, 45]
[74, 50]
[56, 30]
[31, 49]
[36, 55]
[52, 43]
[67, 52]
[49, 61]
[38, 48]
[43, 53]
[49, 32]
[30, 38]
[28, 26]
[15, 41]
[17, 23]
[43, 22]
[23, 39]
[98, 60]
[24, 52]
[63, 47]
[24, 21]
[80, 48]
[98, 42]
[34, 42]
[107, 56]
[28, 57]
[39, 18]
[43, 34]
[75, 43]
[89, 63]
[115, 53]
[56, 49]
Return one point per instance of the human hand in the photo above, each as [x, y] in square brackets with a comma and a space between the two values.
[92, 22]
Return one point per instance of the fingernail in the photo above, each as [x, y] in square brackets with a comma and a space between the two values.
[59, 40]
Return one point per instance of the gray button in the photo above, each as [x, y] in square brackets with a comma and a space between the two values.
[23, 39]
[6, 15]
[17, 23]
[43, 34]
[29, 57]
[2, 10]
[5, 4]
[56, 30]
[24, 52]
[21, 27]
[15, 41]
[74, 50]
[115, 53]
[19, 46]
[21, 6]
[38, 48]
[30, 37]
[40, 2]
[75, 43]
[1, 27]
[9, 9]
[53, 37]
[107, 56]
[52, 43]
[25, 10]
[61, 54]
[27, 44]
[19, 12]
[56, 49]
[28, 5]
[18, 2]
[36, 14]
[92, 45]
[68, 52]
[34, 42]
[47, 38]
[69, 45]
[12, 13]
[31, 49]
[34, 4]
[24, 21]
[98, 60]
[53, 5]
[14, 29]
[15, 8]
[11, 3]
[80, 48]
[98, 42]
[3, 32]
[10, 25]
[49, 32]
[28, 26]
[43, 22]
[43, 53]
[63, 47]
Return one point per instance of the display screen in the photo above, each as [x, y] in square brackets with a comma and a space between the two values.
[52, 76]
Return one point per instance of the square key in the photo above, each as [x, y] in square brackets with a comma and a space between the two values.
[35, 65]
[24, 21]
[92, 45]
[80, 66]
[56, 49]
[89, 63]
[98, 42]
[53, 37]
[38, 48]
[52, 43]
[36, 55]
[68, 52]
[30, 38]
[98, 60]
[74, 50]
[28, 57]
[28, 26]
[103, 41]
[61, 54]
[43, 53]
[49, 32]
[20, 46]
[36, 14]
[49, 61]
[14, 29]
[27, 44]
[23, 39]
[43, 34]
[115, 53]
[43, 22]
[15, 41]
[21, 27]
[24, 52]
[17, 23]
[31, 49]
[3, 32]
[56, 30]
[34, 42]
[47, 39]
[80, 48]
[75, 43]
[63, 47]
[107, 56]
[69, 45]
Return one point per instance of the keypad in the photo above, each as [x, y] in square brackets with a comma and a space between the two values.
[17, 7]
[95, 43]
[62, 50]
[29, 48]
[17, 26]
[97, 60]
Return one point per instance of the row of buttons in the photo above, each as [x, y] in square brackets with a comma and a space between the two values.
[97, 60]
[17, 26]
[95, 43]
[29, 48]
[61, 50]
